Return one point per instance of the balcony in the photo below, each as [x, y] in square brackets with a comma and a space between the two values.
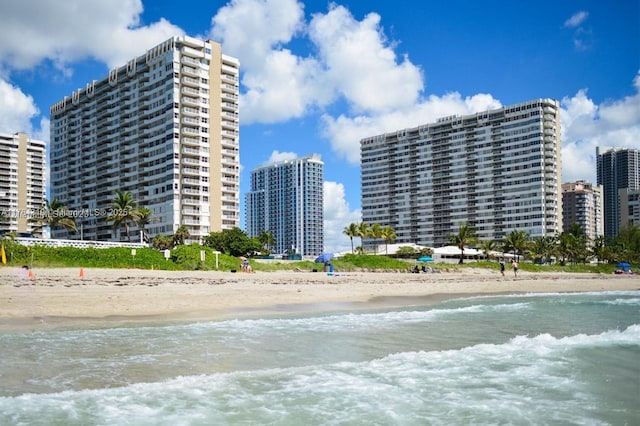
[229, 97]
[189, 181]
[190, 171]
[190, 151]
[190, 120]
[189, 61]
[190, 101]
[190, 71]
[190, 91]
[188, 81]
[190, 131]
[190, 111]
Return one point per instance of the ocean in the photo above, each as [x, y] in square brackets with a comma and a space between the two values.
[527, 359]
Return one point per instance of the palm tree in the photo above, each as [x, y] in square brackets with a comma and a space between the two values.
[181, 234]
[388, 235]
[351, 231]
[267, 240]
[143, 219]
[363, 232]
[466, 236]
[543, 248]
[516, 241]
[488, 246]
[162, 242]
[53, 215]
[375, 231]
[124, 211]
[599, 249]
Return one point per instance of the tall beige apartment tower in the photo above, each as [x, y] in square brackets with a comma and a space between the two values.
[22, 182]
[163, 127]
[582, 203]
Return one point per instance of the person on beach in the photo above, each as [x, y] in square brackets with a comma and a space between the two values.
[514, 265]
[502, 267]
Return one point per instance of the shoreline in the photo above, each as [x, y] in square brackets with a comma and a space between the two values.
[62, 297]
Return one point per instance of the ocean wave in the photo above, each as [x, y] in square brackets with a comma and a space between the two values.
[524, 378]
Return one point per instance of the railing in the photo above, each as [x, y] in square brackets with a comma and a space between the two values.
[76, 243]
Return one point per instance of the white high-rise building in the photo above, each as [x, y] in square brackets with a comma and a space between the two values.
[286, 199]
[22, 182]
[497, 171]
[163, 127]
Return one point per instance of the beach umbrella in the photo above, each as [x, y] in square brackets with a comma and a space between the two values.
[425, 259]
[324, 258]
[624, 265]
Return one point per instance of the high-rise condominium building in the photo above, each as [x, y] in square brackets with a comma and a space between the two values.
[286, 199]
[163, 127]
[619, 174]
[582, 204]
[497, 171]
[22, 182]
[630, 207]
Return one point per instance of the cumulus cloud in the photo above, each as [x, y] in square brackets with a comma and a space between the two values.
[72, 30]
[352, 60]
[16, 109]
[337, 215]
[360, 63]
[271, 24]
[587, 125]
[345, 132]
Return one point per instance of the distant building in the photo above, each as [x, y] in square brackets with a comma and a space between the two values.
[497, 170]
[619, 175]
[164, 127]
[286, 199]
[22, 182]
[582, 204]
[629, 207]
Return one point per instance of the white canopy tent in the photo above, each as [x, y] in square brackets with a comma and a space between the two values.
[451, 254]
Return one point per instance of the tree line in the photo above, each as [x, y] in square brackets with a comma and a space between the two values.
[571, 246]
[126, 213]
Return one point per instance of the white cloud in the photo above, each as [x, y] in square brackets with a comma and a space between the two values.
[354, 61]
[72, 30]
[16, 110]
[360, 64]
[345, 132]
[285, 87]
[277, 156]
[251, 29]
[337, 215]
[576, 19]
[582, 37]
[587, 125]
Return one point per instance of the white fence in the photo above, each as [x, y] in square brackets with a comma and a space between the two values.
[76, 243]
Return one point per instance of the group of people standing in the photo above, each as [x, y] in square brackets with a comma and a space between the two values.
[514, 266]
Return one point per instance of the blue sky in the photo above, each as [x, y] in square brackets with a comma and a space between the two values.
[316, 77]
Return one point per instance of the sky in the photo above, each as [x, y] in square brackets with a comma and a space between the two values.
[318, 76]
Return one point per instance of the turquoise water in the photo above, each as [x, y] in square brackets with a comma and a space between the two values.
[525, 359]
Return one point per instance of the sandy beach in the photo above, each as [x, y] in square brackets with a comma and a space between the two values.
[50, 297]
